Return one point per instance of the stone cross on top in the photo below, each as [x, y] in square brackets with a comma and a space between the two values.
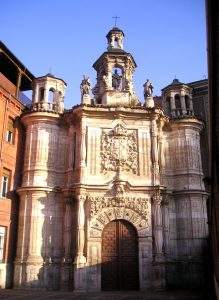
[115, 19]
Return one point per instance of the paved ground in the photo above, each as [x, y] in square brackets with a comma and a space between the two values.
[41, 295]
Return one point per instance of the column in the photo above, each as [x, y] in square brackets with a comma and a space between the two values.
[36, 94]
[67, 230]
[166, 223]
[19, 77]
[67, 266]
[46, 94]
[157, 226]
[191, 105]
[29, 261]
[154, 152]
[172, 105]
[183, 103]
[83, 150]
[160, 146]
[80, 260]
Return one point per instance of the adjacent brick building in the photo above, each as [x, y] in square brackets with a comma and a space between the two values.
[14, 79]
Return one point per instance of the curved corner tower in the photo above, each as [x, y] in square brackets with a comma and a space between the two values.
[40, 209]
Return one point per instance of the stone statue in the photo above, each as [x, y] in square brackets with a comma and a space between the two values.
[116, 80]
[148, 89]
[85, 86]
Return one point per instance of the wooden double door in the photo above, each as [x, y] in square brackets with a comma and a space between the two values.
[119, 268]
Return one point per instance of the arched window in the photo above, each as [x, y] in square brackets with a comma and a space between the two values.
[116, 43]
[51, 95]
[177, 104]
[41, 94]
[187, 101]
[168, 107]
[117, 76]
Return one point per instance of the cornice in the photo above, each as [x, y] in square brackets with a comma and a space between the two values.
[37, 117]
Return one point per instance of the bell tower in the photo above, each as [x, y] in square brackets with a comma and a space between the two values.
[115, 69]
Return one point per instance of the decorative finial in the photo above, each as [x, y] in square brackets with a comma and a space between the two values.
[116, 17]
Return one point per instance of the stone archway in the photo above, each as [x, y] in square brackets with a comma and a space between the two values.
[101, 215]
[119, 266]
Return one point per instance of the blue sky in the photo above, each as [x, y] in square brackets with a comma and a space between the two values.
[166, 37]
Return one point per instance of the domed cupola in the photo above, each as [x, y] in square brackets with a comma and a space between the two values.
[115, 39]
[177, 99]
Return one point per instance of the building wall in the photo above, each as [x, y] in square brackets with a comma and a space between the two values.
[72, 187]
[200, 100]
[10, 159]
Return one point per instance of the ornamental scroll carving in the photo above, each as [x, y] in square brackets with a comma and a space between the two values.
[137, 204]
[119, 150]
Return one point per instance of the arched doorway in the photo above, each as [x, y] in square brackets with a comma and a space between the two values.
[119, 268]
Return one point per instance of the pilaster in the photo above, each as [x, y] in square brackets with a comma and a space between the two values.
[158, 257]
[80, 260]
[67, 263]
[154, 152]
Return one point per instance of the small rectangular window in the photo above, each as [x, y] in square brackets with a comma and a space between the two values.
[5, 182]
[10, 131]
[2, 242]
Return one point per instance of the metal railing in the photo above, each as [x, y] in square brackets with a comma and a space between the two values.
[24, 99]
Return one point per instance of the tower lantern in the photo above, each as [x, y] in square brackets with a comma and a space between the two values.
[115, 39]
[48, 94]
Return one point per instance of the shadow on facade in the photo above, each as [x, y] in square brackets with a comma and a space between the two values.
[57, 270]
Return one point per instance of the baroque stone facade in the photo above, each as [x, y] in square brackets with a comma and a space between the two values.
[110, 158]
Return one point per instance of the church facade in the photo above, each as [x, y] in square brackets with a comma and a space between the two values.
[112, 195]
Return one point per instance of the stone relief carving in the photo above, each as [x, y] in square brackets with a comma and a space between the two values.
[111, 213]
[119, 150]
[138, 204]
[105, 209]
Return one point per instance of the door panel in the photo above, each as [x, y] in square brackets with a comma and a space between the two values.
[119, 269]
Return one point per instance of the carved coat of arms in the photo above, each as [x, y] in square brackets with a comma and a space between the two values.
[119, 150]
